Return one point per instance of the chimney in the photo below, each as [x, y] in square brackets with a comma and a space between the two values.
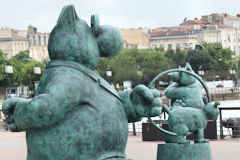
[185, 19]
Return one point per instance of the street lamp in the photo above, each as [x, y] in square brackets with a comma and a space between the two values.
[232, 71]
[139, 71]
[220, 68]
[109, 75]
[9, 71]
[36, 71]
[234, 79]
[201, 73]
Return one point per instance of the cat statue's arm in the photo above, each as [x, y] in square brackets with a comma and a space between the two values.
[141, 102]
[46, 108]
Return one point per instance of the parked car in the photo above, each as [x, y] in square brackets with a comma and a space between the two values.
[220, 86]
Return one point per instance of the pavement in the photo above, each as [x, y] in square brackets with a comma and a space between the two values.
[13, 147]
[227, 149]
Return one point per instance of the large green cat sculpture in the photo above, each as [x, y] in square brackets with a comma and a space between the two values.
[76, 114]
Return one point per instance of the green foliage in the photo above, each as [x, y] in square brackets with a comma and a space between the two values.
[138, 66]
[22, 56]
[213, 59]
[22, 70]
[153, 63]
[199, 60]
[176, 58]
[123, 67]
[3, 61]
[141, 66]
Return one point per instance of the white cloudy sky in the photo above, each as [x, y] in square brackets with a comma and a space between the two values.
[120, 13]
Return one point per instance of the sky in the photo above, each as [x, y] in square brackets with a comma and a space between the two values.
[43, 14]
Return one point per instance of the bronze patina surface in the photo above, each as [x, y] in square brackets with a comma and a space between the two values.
[188, 114]
[75, 114]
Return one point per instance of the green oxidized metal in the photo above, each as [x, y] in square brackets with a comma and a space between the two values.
[75, 114]
[175, 151]
[188, 114]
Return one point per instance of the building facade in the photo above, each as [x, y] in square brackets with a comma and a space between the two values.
[11, 43]
[14, 41]
[223, 19]
[174, 40]
[215, 28]
[135, 38]
[38, 43]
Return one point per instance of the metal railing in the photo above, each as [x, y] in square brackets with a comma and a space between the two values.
[225, 93]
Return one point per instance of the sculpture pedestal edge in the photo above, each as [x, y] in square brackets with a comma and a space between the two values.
[174, 151]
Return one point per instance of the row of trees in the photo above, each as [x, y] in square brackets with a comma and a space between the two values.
[141, 66]
[22, 66]
[138, 66]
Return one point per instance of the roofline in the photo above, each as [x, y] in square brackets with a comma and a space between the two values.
[173, 37]
[12, 39]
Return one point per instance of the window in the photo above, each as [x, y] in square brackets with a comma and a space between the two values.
[229, 38]
[154, 46]
[39, 40]
[34, 40]
[190, 45]
[45, 40]
[178, 46]
[169, 46]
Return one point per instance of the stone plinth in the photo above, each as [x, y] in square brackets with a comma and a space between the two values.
[174, 151]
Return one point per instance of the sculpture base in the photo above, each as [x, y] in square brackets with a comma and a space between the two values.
[174, 151]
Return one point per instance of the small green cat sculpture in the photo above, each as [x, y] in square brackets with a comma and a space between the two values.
[186, 120]
[185, 88]
[190, 110]
[188, 114]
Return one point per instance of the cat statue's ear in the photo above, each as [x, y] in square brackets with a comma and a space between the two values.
[188, 67]
[95, 25]
[68, 16]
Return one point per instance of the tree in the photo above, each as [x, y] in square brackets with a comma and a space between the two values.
[29, 76]
[23, 69]
[213, 59]
[199, 60]
[124, 67]
[138, 66]
[141, 66]
[153, 63]
[22, 56]
[3, 75]
[176, 58]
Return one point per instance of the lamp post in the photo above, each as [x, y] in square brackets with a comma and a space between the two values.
[232, 71]
[36, 71]
[109, 75]
[201, 73]
[8, 71]
[220, 67]
[234, 79]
